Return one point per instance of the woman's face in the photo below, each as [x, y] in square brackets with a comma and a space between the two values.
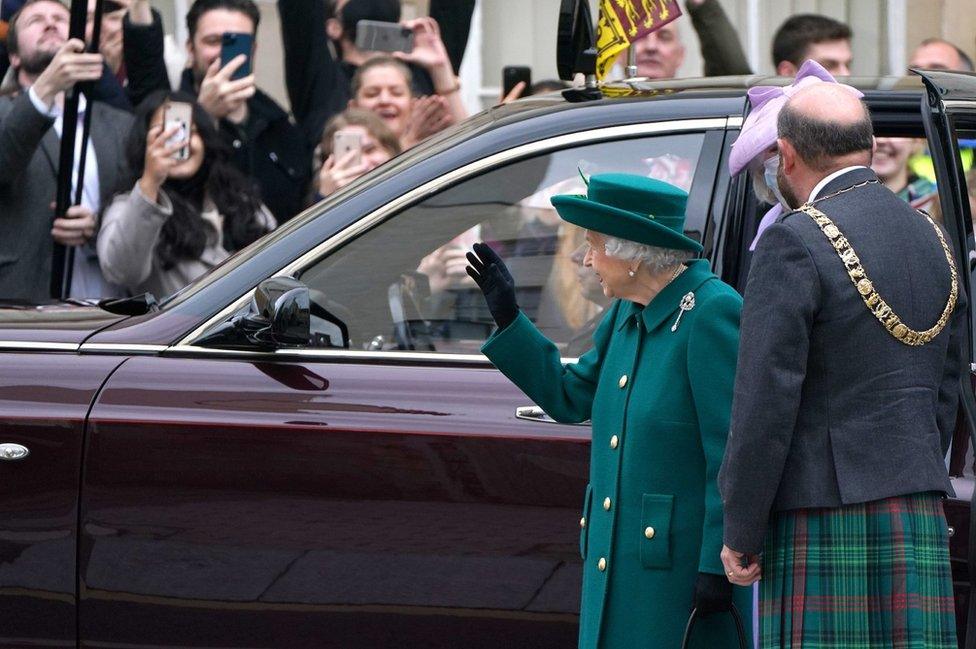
[373, 154]
[187, 168]
[384, 91]
[891, 156]
[613, 273]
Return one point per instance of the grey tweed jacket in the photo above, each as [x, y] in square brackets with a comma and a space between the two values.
[829, 408]
[29, 152]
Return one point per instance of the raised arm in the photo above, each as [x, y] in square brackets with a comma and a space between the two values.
[130, 231]
[31, 113]
[720, 47]
[528, 358]
[317, 87]
[454, 18]
[143, 51]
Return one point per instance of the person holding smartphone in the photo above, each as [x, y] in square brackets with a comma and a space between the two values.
[318, 73]
[354, 142]
[264, 144]
[188, 207]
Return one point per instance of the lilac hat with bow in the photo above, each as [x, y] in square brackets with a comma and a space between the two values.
[759, 130]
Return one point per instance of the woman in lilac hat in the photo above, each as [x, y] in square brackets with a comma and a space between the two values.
[755, 148]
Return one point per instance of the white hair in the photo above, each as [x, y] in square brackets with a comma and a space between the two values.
[656, 259]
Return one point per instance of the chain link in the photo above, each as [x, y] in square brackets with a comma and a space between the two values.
[865, 287]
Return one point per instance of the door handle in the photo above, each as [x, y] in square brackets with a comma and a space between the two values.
[12, 452]
[535, 413]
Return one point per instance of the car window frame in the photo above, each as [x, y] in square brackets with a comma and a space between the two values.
[186, 345]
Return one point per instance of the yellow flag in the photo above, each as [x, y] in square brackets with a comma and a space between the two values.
[624, 21]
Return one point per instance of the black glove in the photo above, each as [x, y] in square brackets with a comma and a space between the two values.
[492, 277]
[713, 593]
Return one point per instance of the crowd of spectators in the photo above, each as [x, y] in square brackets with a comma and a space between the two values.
[152, 221]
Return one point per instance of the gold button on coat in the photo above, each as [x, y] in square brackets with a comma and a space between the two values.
[649, 532]
[614, 441]
[623, 381]
[601, 564]
[606, 503]
[583, 522]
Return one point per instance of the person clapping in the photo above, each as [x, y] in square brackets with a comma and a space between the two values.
[188, 207]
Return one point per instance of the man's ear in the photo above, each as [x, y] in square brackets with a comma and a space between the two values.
[785, 69]
[333, 29]
[14, 61]
[787, 155]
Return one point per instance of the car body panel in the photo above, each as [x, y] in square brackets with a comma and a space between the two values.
[53, 327]
[252, 491]
[44, 399]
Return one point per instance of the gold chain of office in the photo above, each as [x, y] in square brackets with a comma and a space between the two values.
[872, 299]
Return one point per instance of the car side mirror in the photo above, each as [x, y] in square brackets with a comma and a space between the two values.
[279, 316]
[281, 305]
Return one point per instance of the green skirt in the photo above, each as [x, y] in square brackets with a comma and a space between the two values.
[863, 576]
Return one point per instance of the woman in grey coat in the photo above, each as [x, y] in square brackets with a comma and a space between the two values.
[181, 217]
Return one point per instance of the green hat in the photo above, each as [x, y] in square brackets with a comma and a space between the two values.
[634, 208]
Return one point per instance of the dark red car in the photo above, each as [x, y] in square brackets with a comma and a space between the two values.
[306, 449]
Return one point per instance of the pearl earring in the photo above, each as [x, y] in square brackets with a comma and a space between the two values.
[631, 273]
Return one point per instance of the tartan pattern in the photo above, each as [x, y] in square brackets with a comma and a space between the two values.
[863, 576]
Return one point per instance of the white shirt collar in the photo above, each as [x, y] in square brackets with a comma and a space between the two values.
[826, 179]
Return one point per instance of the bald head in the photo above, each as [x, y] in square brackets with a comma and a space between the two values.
[828, 127]
[828, 102]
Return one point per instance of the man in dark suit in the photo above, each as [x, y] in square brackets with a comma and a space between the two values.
[845, 399]
[46, 64]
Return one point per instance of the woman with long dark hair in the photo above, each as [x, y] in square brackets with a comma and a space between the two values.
[181, 217]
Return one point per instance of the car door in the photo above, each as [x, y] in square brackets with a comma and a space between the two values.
[45, 395]
[949, 111]
[387, 490]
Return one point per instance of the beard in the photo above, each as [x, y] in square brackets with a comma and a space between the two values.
[784, 187]
[37, 61]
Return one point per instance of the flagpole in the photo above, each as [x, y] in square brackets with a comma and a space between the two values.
[631, 71]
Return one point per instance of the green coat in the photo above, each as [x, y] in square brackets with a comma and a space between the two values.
[660, 404]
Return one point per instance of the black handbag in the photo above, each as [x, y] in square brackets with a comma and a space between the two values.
[736, 617]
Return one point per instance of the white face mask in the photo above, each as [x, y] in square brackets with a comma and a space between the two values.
[770, 171]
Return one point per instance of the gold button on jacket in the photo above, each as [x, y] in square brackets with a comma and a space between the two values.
[614, 441]
[649, 532]
[606, 503]
[623, 381]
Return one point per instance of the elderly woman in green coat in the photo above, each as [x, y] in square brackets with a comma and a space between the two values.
[657, 385]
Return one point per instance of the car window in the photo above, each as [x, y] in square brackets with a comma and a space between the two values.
[402, 285]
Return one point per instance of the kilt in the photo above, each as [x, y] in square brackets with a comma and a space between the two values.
[861, 576]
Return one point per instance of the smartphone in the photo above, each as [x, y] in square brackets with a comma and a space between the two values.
[512, 74]
[179, 113]
[233, 44]
[379, 36]
[345, 141]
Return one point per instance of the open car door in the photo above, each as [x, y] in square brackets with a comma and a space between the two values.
[949, 113]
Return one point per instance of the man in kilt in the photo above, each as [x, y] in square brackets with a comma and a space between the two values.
[845, 399]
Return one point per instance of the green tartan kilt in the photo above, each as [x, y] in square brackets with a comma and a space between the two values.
[862, 576]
